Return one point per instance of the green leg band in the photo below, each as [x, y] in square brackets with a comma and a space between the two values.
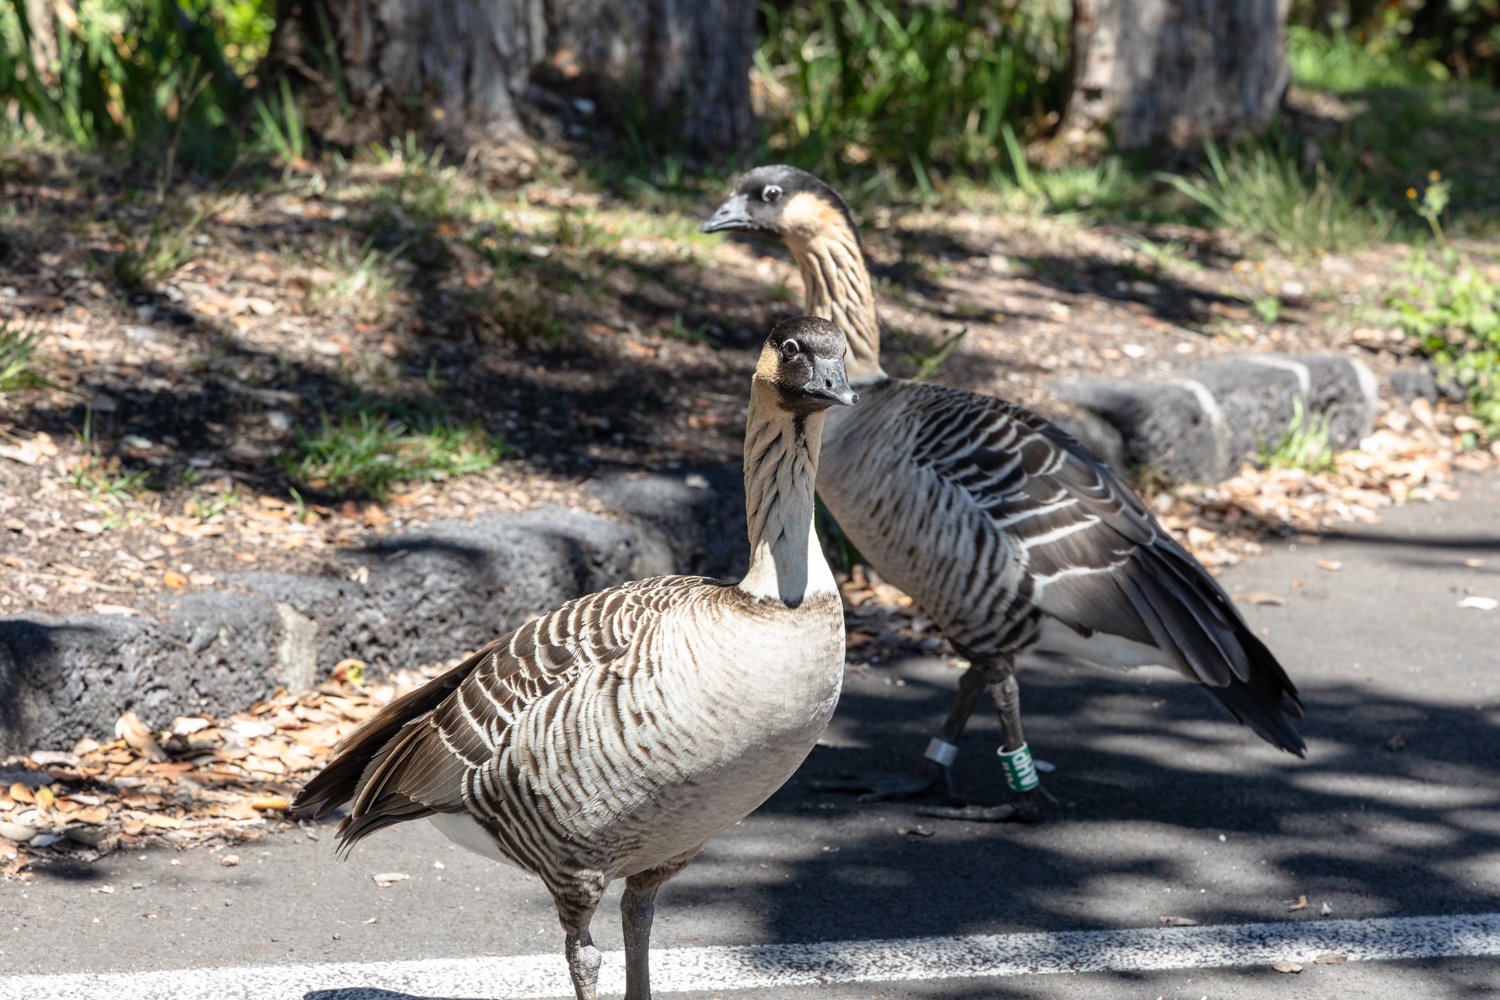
[1020, 771]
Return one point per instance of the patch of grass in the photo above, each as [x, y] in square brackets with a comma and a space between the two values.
[1338, 62]
[141, 262]
[699, 335]
[1101, 189]
[1267, 308]
[517, 311]
[855, 85]
[368, 447]
[1267, 196]
[281, 126]
[207, 508]
[124, 72]
[1303, 445]
[18, 367]
[99, 476]
[1402, 134]
[364, 278]
[421, 185]
[1450, 306]
[926, 355]
[1163, 258]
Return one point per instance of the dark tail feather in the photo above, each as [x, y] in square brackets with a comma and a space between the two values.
[1266, 702]
[337, 783]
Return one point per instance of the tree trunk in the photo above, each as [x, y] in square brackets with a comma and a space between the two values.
[1174, 70]
[499, 73]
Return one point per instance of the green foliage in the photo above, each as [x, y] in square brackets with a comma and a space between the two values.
[677, 331]
[369, 446]
[281, 126]
[165, 249]
[1433, 201]
[18, 368]
[1268, 197]
[1090, 190]
[1399, 43]
[100, 476]
[1402, 135]
[926, 355]
[363, 278]
[1452, 310]
[1339, 62]
[1267, 308]
[123, 71]
[1163, 257]
[914, 85]
[206, 508]
[1303, 445]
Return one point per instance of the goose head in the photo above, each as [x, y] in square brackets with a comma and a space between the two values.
[780, 202]
[802, 364]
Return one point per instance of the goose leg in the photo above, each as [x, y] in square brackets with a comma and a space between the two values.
[583, 963]
[1024, 804]
[936, 765]
[637, 908]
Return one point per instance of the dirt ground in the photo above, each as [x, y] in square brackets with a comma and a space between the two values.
[590, 333]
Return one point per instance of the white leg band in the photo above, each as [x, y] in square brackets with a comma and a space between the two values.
[941, 751]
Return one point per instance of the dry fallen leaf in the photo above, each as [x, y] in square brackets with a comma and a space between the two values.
[1285, 966]
[1397, 742]
[1474, 563]
[386, 878]
[1300, 904]
[915, 831]
[1332, 565]
[174, 579]
[271, 802]
[229, 860]
[1264, 597]
[133, 731]
[1177, 921]
[1331, 958]
[94, 817]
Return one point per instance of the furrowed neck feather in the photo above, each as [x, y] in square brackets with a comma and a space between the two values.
[838, 289]
[781, 465]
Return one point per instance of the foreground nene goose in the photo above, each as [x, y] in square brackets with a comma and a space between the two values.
[613, 736]
[1002, 527]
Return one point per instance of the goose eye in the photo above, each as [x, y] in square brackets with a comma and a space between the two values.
[771, 193]
[789, 349]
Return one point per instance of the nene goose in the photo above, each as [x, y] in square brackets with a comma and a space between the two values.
[613, 736]
[1003, 528]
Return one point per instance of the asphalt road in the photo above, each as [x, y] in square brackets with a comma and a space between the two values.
[1167, 809]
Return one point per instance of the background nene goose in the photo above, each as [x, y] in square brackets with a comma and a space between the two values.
[1003, 528]
[612, 737]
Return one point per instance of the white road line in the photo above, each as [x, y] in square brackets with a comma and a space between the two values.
[730, 968]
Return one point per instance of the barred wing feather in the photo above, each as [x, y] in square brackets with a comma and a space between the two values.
[1006, 521]
[502, 727]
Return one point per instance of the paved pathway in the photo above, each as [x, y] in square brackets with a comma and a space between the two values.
[1167, 810]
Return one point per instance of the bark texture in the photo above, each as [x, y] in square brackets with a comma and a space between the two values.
[1175, 70]
[498, 72]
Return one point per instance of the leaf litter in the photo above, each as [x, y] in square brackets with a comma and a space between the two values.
[205, 782]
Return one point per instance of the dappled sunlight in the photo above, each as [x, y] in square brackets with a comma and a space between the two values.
[1149, 779]
[1386, 789]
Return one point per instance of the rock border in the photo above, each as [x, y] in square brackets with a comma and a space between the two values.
[428, 595]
